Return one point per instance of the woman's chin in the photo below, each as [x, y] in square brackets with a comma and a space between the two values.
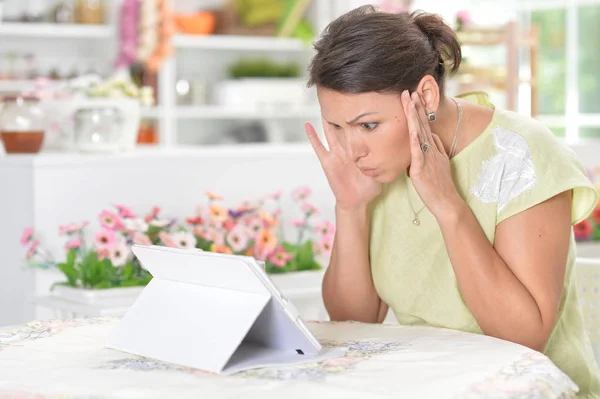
[387, 176]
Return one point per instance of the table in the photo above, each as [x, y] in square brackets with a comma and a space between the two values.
[67, 359]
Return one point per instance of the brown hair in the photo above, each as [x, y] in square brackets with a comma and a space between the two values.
[365, 50]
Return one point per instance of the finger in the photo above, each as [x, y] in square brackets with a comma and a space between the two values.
[330, 137]
[315, 141]
[422, 117]
[413, 123]
[439, 144]
[405, 99]
[416, 153]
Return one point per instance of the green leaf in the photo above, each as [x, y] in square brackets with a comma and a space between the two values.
[202, 244]
[289, 247]
[127, 271]
[596, 233]
[71, 256]
[133, 283]
[102, 285]
[153, 231]
[305, 256]
[70, 272]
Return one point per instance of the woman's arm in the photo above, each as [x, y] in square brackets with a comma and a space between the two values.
[348, 290]
[513, 288]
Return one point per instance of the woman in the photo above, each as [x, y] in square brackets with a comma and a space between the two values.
[450, 212]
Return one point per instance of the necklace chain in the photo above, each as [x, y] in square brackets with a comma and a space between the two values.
[453, 148]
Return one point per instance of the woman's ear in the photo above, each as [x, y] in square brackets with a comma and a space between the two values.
[429, 91]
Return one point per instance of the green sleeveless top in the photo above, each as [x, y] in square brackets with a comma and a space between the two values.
[513, 165]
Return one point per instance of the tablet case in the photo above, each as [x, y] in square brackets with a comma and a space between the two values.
[216, 312]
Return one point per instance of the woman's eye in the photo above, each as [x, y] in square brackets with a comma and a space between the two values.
[369, 125]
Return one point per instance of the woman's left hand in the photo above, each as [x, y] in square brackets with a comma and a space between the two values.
[430, 166]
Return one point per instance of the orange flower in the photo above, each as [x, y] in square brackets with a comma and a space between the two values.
[266, 240]
[213, 197]
[250, 252]
[217, 213]
[220, 249]
[268, 220]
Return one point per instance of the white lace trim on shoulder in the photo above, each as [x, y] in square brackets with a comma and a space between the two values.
[507, 174]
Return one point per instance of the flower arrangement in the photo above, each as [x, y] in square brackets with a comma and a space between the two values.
[105, 260]
[257, 230]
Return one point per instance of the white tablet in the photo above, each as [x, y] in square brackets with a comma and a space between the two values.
[211, 311]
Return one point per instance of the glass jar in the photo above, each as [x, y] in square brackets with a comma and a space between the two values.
[22, 124]
[89, 11]
[98, 129]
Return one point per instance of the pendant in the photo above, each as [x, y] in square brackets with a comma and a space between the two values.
[416, 221]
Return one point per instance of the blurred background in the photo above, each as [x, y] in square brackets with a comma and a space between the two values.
[209, 72]
[151, 103]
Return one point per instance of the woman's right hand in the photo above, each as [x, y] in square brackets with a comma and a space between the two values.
[352, 189]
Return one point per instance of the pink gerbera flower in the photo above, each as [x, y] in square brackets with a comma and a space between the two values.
[325, 229]
[167, 239]
[105, 239]
[27, 235]
[73, 244]
[299, 223]
[32, 250]
[276, 195]
[110, 221]
[141, 239]
[326, 245]
[309, 209]
[125, 212]
[72, 228]
[280, 258]
[301, 193]
[152, 215]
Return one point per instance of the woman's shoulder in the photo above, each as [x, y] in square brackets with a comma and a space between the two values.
[537, 166]
[528, 127]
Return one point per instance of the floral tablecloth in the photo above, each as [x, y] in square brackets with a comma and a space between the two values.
[67, 360]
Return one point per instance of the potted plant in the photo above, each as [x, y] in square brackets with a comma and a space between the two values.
[262, 83]
[101, 265]
[257, 229]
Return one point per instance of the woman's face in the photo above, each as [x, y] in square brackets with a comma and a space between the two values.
[372, 128]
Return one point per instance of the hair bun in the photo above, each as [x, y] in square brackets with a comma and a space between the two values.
[441, 36]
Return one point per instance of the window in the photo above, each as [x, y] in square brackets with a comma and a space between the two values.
[568, 73]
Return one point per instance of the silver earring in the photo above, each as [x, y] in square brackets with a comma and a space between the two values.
[431, 117]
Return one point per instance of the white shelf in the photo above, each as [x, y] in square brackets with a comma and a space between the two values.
[221, 112]
[242, 43]
[47, 30]
[16, 85]
[153, 154]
